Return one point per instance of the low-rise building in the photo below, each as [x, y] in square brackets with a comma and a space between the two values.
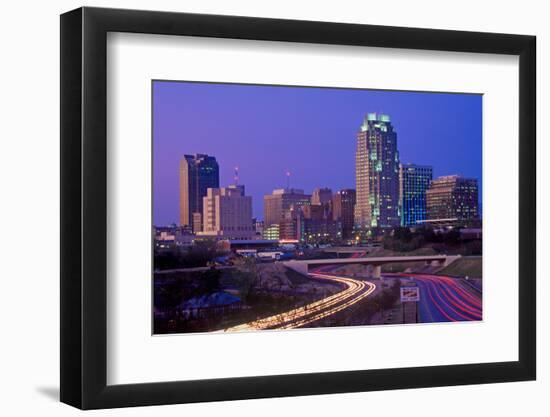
[271, 232]
[227, 213]
[452, 200]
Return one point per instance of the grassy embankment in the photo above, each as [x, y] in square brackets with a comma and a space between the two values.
[403, 266]
[470, 266]
[362, 270]
[467, 266]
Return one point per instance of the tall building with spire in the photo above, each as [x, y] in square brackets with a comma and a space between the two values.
[376, 174]
[197, 173]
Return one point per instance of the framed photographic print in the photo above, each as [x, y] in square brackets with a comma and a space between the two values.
[257, 208]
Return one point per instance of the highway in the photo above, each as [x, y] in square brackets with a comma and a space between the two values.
[354, 292]
[443, 299]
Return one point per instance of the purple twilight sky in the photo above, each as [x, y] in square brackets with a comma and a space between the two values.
[311, 132]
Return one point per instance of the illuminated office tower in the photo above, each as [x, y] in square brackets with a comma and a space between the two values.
[414, 180]
[376, 174]
[452, 200]
[197, 173]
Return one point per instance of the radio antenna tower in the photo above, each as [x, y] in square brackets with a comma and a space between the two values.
[236, 176]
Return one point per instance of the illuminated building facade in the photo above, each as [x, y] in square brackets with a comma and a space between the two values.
[452, 199]
[271, 232]
[414, 181]
[315, 231]
[197, 173]
[376, 174]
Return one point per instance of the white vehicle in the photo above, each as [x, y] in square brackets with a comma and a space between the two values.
[249, 253]
[269, 255]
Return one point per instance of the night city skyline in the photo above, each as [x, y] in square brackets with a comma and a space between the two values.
[348, 207]
[311, 132]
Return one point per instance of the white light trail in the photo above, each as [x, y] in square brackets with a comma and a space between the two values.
[354, 292]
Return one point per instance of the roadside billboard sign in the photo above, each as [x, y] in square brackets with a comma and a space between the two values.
[410, 294]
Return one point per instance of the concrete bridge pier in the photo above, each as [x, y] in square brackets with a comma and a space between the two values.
[450, 259]
[300, 267]
[377, 271]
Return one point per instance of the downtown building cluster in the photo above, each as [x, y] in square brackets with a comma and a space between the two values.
[208, 210]
[390, 193]
[387, 194]
[322, 217]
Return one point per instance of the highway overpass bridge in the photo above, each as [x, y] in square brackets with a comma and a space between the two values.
[376, 262]
[340, 250]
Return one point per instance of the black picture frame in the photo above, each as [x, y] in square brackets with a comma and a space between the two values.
[84, 207]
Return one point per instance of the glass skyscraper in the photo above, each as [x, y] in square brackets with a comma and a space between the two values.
[197, 173]
[414, 180]
[376, 174]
